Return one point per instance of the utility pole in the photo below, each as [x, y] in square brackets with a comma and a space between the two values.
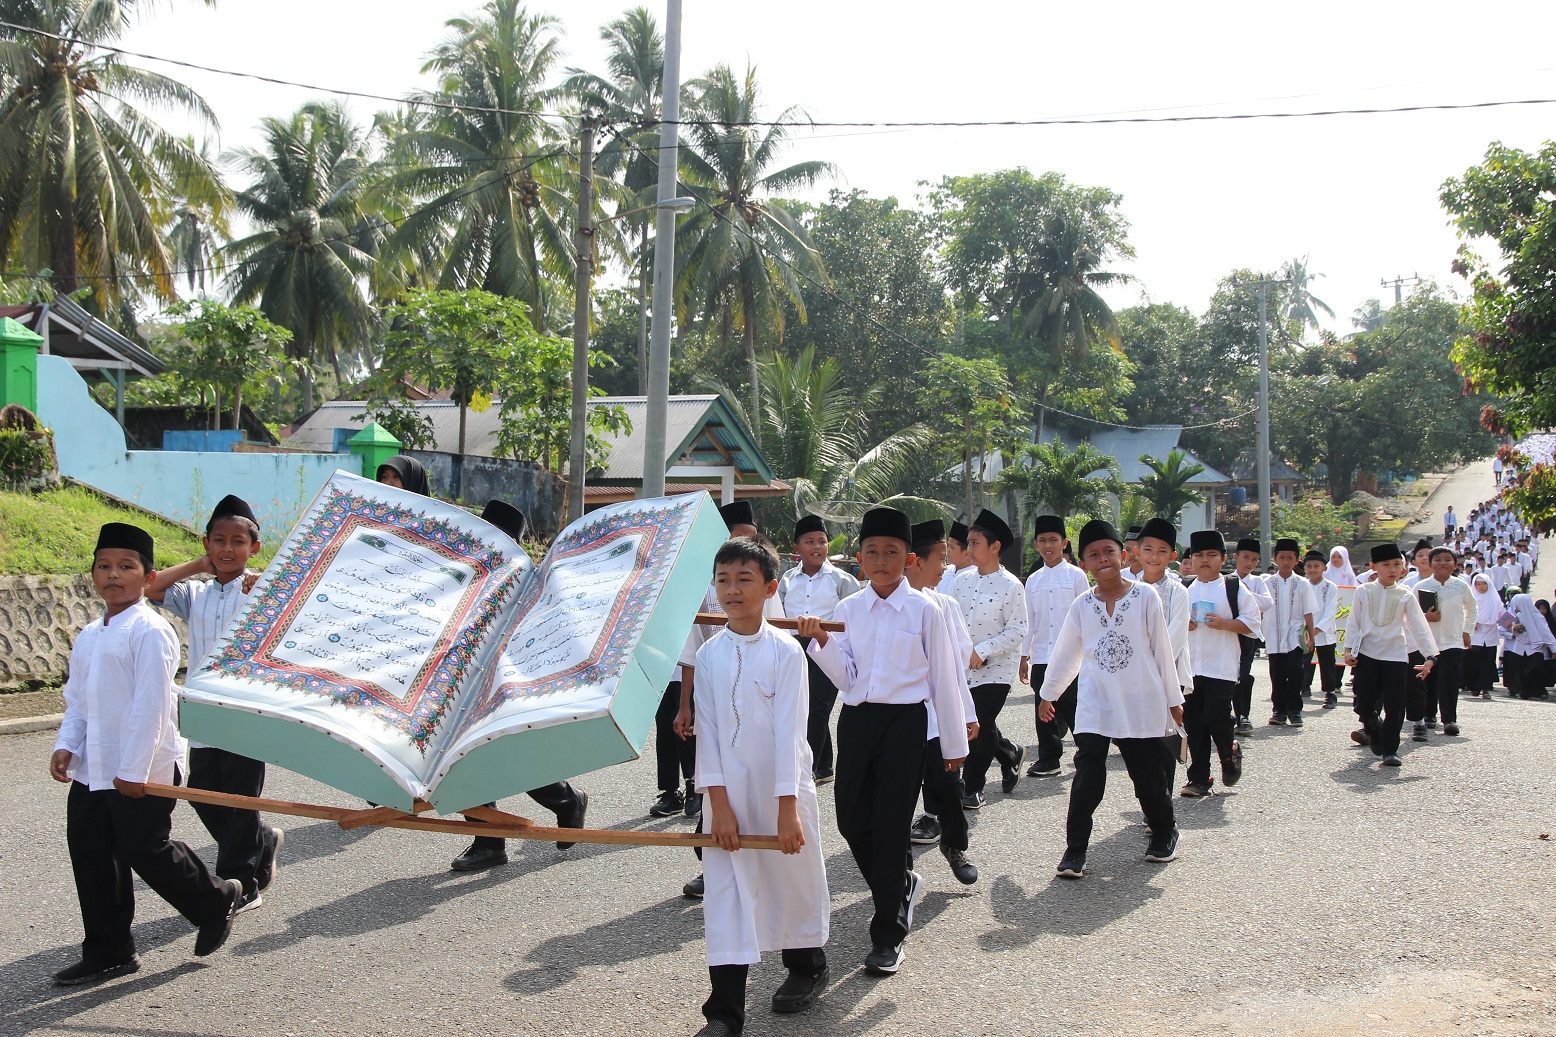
[583, 249]
[1263, 286]
[657, 406]
[1398, 283]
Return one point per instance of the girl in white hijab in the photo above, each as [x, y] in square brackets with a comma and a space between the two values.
[1341, 575]
[1532, 642]
[1481, 669]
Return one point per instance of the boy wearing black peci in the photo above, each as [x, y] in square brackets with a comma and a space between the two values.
[813, 588]
[1246, 561]
[246, 846]
[1375, 648]
[118, 734]
[1223, 617]
[894, 654]
[1049, 592]
[1289, 615]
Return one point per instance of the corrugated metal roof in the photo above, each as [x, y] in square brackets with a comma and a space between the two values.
[89, 339]
[699, 430]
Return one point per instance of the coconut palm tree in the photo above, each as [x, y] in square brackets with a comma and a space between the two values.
[1065, 481]
[494, 186]
[1301, 304]
[306, 264]
[86, 175]
[1166, 489]
[744, 254]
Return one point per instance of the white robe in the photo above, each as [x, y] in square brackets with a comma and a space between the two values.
[751, 740]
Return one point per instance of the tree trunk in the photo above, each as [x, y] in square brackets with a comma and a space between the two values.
[967, 478]
[464, 409]
[62, 249]
[1042, 410]
[216, 407]
[754, 400]
[643, 273]
[237, 406]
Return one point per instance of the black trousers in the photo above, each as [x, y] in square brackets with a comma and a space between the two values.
[880, 751]
[727, 999]
[1480, 667]
[943, 797]
[1207, 717]
[110, 836]
[1379, 690]
[990, 745]
[1420, 693]
[1448, 678]
[1145, 760]
[1285, 681]
[818, 728]
[676, 757]
[242, 839]
[1329, 671]
[1242, 698]
[559, 797]
[1050, 733]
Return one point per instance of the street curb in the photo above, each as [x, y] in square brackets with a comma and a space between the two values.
[24, 725]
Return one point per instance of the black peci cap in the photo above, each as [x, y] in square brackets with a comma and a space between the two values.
[738, 513]
[996, 527]
[1095, 530]
[886, 522]
[1160, 529]
[231, 506]
[125, 537]
[809, 524]
[505, 517]
[927, 534]
[1047, 524]
[1249, 544]
[1206, 540]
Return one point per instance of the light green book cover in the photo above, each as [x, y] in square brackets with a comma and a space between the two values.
[399, 648]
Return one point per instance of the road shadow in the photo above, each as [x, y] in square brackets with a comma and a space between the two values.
[31, 974]
[47, 1006]
[313, 841]
[1363, 774]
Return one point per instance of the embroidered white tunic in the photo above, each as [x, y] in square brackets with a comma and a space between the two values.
[1128, 680]
[995, 608]
[207, 606]
[1049, 593]
[752, 700]
[1326, 608]
[1379, 618]
[1292, 603]
[1456, 603]
[120, 707]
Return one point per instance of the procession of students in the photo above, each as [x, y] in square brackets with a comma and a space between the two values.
[1121, 651]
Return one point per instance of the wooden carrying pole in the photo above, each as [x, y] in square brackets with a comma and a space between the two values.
[486, 821]
[714, 619]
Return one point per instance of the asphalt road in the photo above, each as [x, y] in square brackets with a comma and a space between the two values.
[1321, 895]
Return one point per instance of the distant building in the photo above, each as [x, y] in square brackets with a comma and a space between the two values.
[1285, 481]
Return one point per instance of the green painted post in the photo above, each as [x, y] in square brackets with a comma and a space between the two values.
[19, 364]
[374, 445]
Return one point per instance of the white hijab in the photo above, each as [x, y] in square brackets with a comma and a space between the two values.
[1487, 605]
[1340, 575]
[1536, 634]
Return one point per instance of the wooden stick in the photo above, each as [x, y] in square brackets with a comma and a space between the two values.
[504, 830]
[497, 817]
[373, 816]
[715, 619]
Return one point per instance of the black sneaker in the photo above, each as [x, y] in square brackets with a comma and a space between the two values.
[694, 889]
[1194, 790]
[972, 801]
[914, 891]
[268, 865]
[822, 776]
[215, 931]
[1163, 849]
[961, 867]
[1431, 723]
[1277, 720]
[1331, 700]
[1392, 761]
[1295, 719]
[800, 991]
[693, 806]
[1011, 777]
[668, 804]
[250, 901]
[884, 961]
[80, 974]
[717, 1028]
[481, 854]
[1041, 769]
[926, 831]
[573, 819]
[1450, 729]
[1232, 765]
[1244, 726]
[1072, 865]
[1418, 733]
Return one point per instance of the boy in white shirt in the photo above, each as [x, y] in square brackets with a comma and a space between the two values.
[1249, 554]
[813, 588]
[753, 768]
[1326, 604]
[994, 607]
[1375, 647]
[1115, 642]
[1453, 626]
[956, 556]
[1222, 616]
[1049, 593]
[118, 733]
[894, 654]
[1289, 615]
[1156, 547]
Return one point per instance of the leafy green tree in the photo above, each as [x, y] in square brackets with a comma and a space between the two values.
[307, 261]
[1064, 481]
[1508, 344]
[85, 172]
[1167, 489]
[231, 346]
[1301, 304]
[971, 403]
[492, 188]
[742, 254]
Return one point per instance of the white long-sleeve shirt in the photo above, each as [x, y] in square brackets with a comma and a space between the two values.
[897, 650]
[995, 608]
[1218, 653]
[1127, 678]
[1456, 602]
[120, 706]
[1291, 603]
[815, 595]
[208, 607]
[1326, 607]
[1049, 593]
[1175, 605]
[1378, 620]
[964, 647]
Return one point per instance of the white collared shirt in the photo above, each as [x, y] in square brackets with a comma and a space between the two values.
[1049, 593]
[1326, 604]
[1218, 653]
[208, 607]
[1456, 603]
[947, 584]
[1127, 680]
[995, 609]
[898, 650]
[120, 707]
[1175, 606]
[964, 647]
[1291, 604]
[1378, 622]
[816, 595]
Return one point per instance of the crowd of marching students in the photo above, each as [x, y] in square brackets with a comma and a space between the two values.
[1132, 648]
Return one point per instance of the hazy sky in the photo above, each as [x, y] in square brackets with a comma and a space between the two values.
[1356, 193]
